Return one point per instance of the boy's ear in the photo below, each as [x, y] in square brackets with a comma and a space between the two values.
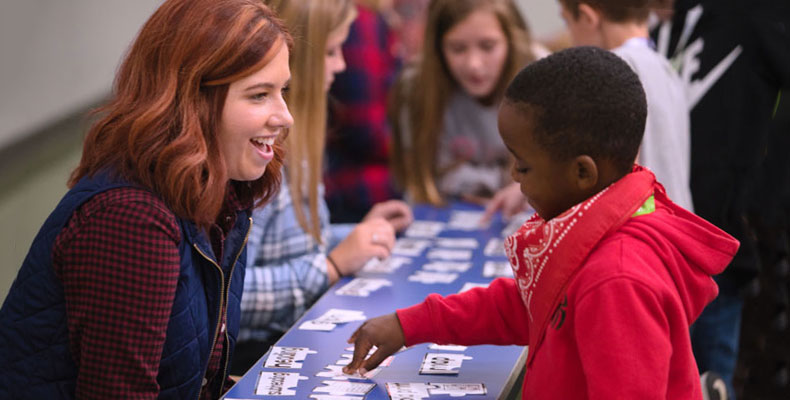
[589, 15]
[585, 172]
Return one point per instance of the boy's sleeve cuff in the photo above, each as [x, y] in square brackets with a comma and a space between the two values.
[415, 323]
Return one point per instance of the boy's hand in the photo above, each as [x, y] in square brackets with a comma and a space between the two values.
[396, 212]
[383, 332]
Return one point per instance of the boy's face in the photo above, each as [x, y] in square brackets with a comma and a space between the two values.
[548, 184]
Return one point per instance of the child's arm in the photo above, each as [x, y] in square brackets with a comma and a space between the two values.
[492, 315]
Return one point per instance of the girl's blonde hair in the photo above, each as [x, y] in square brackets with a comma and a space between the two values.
[310, 23]
[427, 94]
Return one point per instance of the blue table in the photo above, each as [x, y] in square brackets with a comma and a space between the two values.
[497, 367]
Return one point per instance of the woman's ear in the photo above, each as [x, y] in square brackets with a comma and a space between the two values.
[585, 172]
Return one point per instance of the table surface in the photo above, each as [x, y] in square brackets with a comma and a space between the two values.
[495, 366]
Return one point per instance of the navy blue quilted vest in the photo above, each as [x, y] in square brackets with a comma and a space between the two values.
[35, 362]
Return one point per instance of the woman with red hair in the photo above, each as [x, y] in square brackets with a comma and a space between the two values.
[132, 286]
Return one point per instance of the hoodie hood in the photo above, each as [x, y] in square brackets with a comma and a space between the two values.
[693, 250]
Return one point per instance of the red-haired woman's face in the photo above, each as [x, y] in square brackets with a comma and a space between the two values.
[254, 115]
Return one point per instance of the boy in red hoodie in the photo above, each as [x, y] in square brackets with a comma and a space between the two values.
[609, 273]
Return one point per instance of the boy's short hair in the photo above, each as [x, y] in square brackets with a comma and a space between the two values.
[583, 100]
[615, 10]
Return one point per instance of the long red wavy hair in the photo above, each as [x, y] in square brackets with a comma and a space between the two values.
[159, 129]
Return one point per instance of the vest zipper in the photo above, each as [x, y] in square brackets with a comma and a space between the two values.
[222, 301]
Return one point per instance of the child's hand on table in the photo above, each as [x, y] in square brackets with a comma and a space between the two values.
[383, 332]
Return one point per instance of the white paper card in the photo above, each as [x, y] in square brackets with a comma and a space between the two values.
[515, 223]
[386, 266]
[362, 287]
[466, 220]
[448, 266]
[344, 387]
[471, 285]
[457, 243]
[442, 363]
[424, 229]
[278, 383]
[495, 248]
[287, 357]
[446, 347]
[430, 277]
[449, 254]
[457, 389]
[493, 269]
[336, 372]
[410, 247]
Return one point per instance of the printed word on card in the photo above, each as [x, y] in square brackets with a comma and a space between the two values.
[442, 363]
[278, 383]
[497, 268]
[287, 357]
[424, 229]
[336, 372]
[362, 287]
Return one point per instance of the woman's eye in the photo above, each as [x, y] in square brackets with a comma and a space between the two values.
[259, 96]
[285, 89]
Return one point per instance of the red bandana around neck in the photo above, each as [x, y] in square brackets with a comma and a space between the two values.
[545, 255]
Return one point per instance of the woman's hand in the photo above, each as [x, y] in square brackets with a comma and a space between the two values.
[373, 237]
[396, 212]
[509, 200]
[384, 332]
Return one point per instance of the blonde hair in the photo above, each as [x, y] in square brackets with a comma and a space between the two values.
[425, 94]
[310, 23]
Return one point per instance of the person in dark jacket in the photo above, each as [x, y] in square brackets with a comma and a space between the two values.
[132, 287]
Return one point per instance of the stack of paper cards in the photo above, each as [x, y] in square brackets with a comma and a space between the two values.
[362, 287]
[424, 229]
[386, 266]
[410, 247]
[442, 363]
[457, 243]
[495, 248]
[344, 388]
[287, 357]
[278, 383]
[407, 391]
[448, 266]
[471, 285]
[466, 221]
[497, 268]
[430, 277]
[450, 254]
[331, 318]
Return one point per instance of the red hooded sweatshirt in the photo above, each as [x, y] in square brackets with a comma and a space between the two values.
[620, 324]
